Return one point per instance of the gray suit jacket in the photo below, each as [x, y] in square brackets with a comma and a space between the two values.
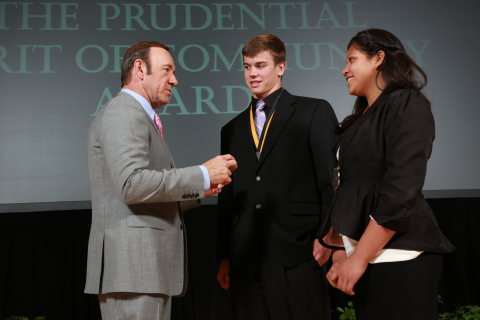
[137, 239]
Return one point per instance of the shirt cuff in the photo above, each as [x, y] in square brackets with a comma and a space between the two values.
[206, 178]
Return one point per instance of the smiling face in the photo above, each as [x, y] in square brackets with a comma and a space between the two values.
[262, 75]
[159, 83]
[361, 72]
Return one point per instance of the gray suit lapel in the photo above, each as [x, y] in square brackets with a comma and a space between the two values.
[163, 144]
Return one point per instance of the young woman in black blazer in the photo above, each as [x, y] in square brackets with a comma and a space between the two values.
[386, 241]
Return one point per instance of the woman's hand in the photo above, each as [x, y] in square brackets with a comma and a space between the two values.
[345, 273]
[338, 256]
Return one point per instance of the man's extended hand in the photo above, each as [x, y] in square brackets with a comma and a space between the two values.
[220, 169]
[320, 253]
[223, 275]
[214, 190]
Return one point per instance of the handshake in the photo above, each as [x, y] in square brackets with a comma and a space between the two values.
[219, 169]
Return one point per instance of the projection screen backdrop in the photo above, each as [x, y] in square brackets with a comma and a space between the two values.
[60, 62]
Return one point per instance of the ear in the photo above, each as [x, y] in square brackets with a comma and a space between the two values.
[139, 69]
[281, 68]
[379, 59]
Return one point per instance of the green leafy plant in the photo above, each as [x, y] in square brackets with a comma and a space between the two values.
[461, 313]
[348, 313]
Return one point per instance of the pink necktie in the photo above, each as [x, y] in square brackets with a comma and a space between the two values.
[159, 124]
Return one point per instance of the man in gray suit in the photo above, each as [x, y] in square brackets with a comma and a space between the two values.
[136, 252]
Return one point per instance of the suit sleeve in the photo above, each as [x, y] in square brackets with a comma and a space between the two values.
[409, 133]
[225, 199]
[189, 205]
[322, 140]
[125, 143]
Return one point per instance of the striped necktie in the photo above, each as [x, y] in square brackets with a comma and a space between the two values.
[259, 118]
[156, 117]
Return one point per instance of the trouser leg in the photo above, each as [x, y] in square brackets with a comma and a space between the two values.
[133, 306]
[399, 290]
[278, 293]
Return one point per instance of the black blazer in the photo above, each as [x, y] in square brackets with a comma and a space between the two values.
[282, 197]
[383, 163]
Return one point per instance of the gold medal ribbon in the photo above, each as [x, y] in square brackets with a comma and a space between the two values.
[254, 132]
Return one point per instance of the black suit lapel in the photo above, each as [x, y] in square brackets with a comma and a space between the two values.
[350, 132]
[283, 111]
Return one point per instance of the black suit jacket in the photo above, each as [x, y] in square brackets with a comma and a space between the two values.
[281, 198]
[383, 162]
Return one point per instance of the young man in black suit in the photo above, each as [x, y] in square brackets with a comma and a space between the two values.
[270, 215]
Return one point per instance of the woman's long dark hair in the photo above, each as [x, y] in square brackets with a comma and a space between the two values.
[397, 69]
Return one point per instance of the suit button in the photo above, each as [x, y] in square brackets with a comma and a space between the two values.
[258, 178]
[258, 206]
[181, 226]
